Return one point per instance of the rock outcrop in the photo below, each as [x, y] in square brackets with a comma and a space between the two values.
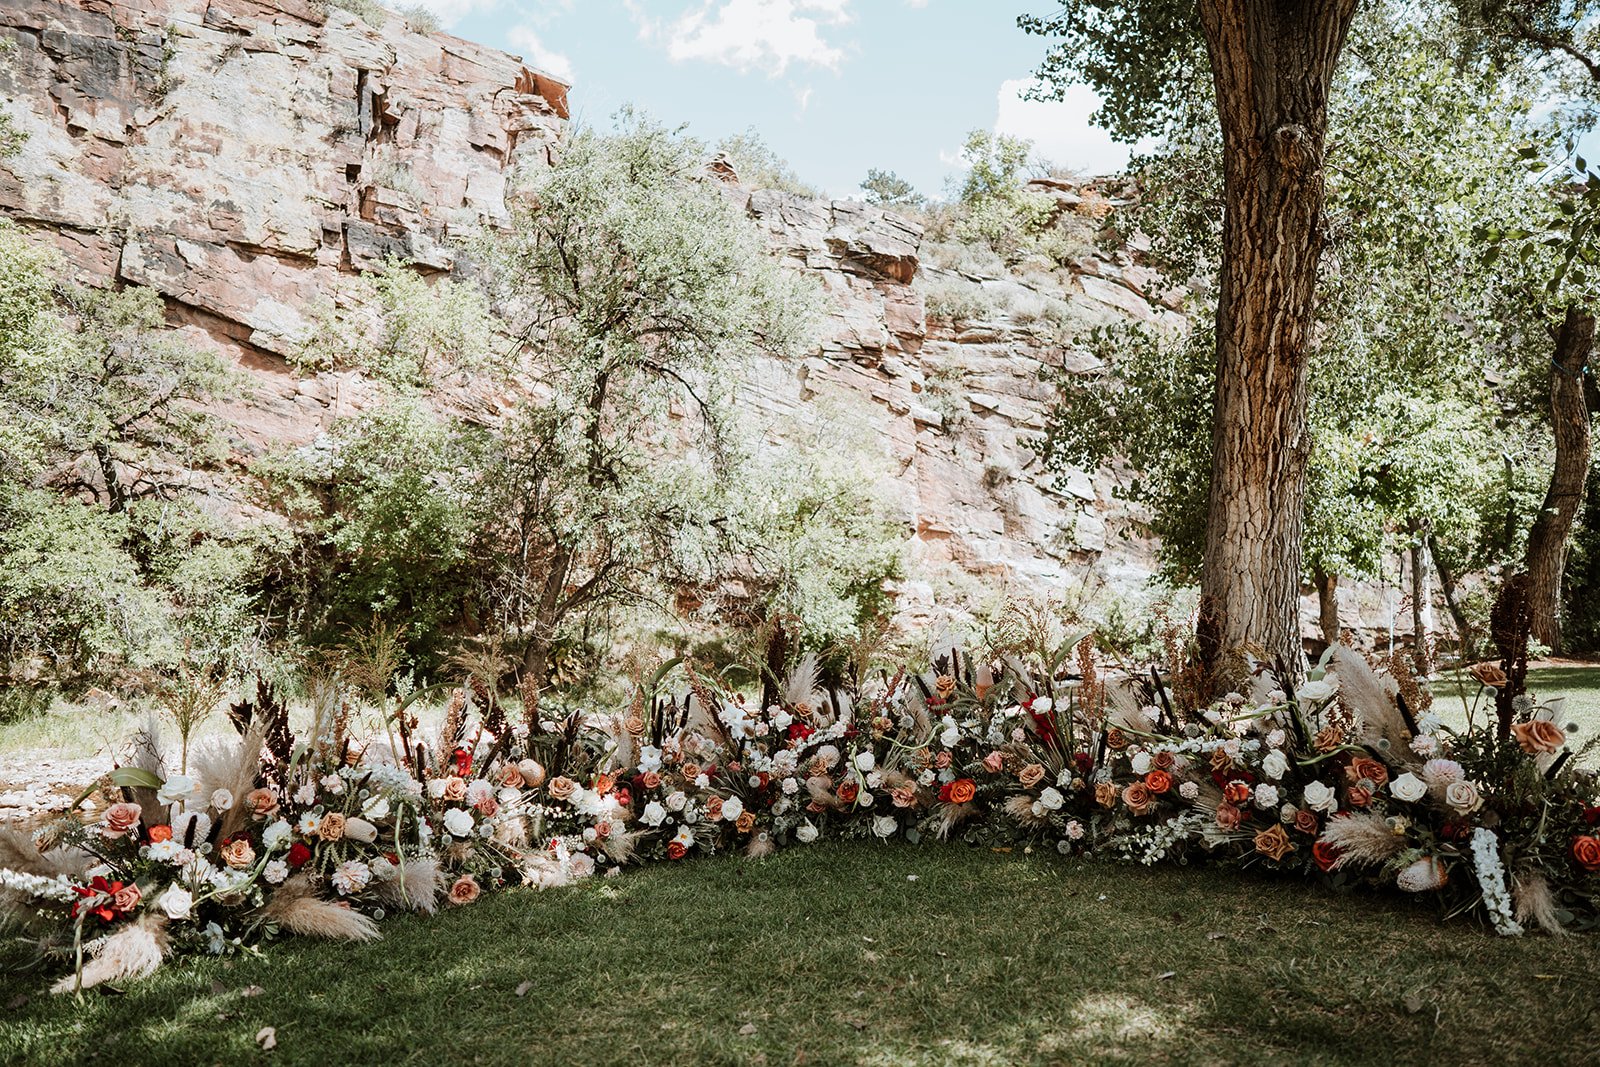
[238, 155]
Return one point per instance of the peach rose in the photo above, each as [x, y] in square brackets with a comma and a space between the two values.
[1031, 775]
[651, 780]
[1358, 796]
[562, 787]
[511, 778]
[691, 771]
[942, 760]
[993, 762]
[120, 818]
[1328, 738]
[1305, 820]
[1137, 797]
[1538, 736]
[1229, 816]
[903, 797]
[238, 854]
[1116, 739]
[455, 790]
[1489, 675]
[487, 807]
[263, 803]
[944, 685]
[745, 822]
[127, 898]
[1274, 843]
[1105, 794]
[331, 828]
[464, 890]
[634, 725]
[713, 808]
[1163, 761]
[1220, 760]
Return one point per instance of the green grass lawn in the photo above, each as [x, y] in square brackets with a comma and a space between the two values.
[861, 954]
[1578, 685]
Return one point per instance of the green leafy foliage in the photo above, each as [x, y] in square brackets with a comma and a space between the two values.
[887, 189]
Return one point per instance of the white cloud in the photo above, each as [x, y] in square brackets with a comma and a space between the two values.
[451, 12]
[534, 51]
[753, 34]
[1060, 130]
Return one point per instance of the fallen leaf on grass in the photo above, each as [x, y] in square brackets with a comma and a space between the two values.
[1164, 975]
[1215, 935]
[267, 1038]
[251, 991]
[522, 989]
[1413, 1003]
[747, 1029]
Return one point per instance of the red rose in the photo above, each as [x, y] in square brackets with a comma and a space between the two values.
[1591, 815]
[1586, 850]
[675, 850]
[1325, 855]
[799, 731]
[299, 854]
[848, 791]
[163, 832]
[463, 760]
[1236, 792]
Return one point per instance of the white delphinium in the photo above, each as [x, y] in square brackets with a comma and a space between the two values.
[1491, 875]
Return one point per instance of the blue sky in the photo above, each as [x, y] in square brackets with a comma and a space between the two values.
[834, 86]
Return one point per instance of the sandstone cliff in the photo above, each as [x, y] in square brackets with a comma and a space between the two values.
[237, 155]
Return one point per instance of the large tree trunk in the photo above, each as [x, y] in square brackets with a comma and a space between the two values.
[1421, 602]
[1272, 62]
[1467, 652]
[1569, 417]
[1327, 604]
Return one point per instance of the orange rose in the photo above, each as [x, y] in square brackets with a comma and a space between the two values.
[464, 890]
[1137, 797]
[604, 784]
[1540, 735]
[455, 790]
[1325, 855]
[1586, 850]
[962, 790]
[848, 790]
[1489, 675]
[676, 850]
[1370, 769]
[634, 725]
[1031, 775]
[332, 827]
[562, 787]
[238, 854]
[1158, 781]
[1236, 792]
[162, 832]
[1273, 843]
[1105, 794]
[1220, 760]
[745, 822]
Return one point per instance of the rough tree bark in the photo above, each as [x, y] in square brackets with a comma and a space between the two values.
[1467, 651]
[1569, 417]
[1421, 601]
[1272, 62]
[1327, 604]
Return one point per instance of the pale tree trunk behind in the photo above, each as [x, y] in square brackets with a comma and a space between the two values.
[1272, 63]
[1569, 418]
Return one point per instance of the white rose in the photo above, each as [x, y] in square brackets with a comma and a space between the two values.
[1462, 796]
[677, 800]
[1266, 796]
[865, 761]
[1042, 705]
[1318, 691]
[176, 902]
[458, 822]
[1276, 739]
[732, 808]
[222, 800]
[805, 833]
[1319, 797]
[653, 815]
[436, 787]
[178, 787]
[885, 825]
[1075, 830]
[1408, 787]
[950, 737]
[1276, 765]
[1051, 799]
[1140, 762]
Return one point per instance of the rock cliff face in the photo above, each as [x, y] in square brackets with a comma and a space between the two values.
[237, 155]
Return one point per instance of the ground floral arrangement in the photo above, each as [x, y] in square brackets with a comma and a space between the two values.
[1349, 777]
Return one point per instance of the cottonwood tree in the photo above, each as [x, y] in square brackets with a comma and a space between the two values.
[635, 288]
[1271, 65]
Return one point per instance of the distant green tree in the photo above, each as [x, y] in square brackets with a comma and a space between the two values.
[759, 167]
[887, 189]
